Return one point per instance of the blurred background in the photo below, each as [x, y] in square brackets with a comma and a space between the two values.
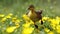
[50, 8]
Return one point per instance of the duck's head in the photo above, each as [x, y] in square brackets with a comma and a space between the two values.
[31, 7]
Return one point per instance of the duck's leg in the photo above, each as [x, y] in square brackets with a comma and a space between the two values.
[41, 22]
[36, 27]
[42, 25]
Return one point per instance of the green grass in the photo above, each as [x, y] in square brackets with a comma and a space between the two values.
[19, 7]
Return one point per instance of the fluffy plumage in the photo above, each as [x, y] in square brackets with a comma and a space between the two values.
[34, 15]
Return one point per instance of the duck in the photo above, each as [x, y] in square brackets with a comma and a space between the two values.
[34, 15]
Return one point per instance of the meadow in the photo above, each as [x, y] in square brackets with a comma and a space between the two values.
[13, 18]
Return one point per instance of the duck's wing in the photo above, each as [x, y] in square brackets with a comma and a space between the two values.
[39, 12]
[39, 16]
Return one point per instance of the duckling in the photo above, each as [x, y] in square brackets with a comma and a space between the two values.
[34, 15]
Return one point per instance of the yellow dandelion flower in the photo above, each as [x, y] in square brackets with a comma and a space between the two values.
[46, 30]
[49, 20]
[58, 28]
[54, 21]
[17, 25]
[51, 32]
[10, 29]
[3, 19]
[27, 30]
[1, 15]
[26, 25]
[45, 18]
[14, 19]
[17, 21]
[8, 16]
[58, 19]
[53, 26]
[25, 17]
